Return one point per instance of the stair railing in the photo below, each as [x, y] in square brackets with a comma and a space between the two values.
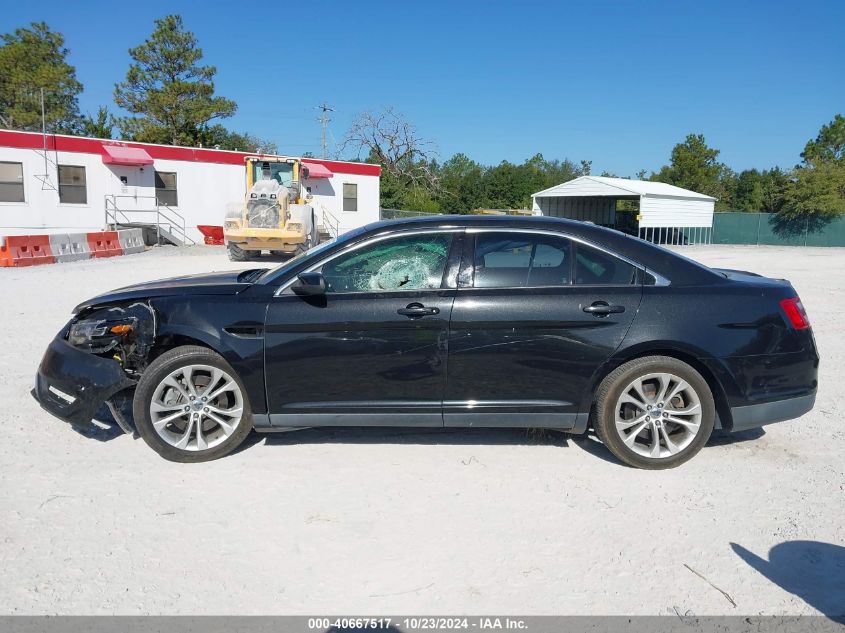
[166, 218]
[330, 222]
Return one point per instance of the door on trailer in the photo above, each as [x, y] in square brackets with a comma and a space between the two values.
[536, 314]
[131, 187]
[374, 345]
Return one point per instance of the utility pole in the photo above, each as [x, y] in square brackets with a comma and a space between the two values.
[324, 122]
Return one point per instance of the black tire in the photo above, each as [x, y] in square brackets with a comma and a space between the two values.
[307, 245]
[238, 254]
[311, 241]
[158, 370]
[608, 397]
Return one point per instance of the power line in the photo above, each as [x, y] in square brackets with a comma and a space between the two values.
[324, 123]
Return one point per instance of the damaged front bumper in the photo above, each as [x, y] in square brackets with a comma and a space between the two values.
[72, 384]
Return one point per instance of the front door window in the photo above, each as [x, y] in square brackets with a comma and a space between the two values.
[413, 262]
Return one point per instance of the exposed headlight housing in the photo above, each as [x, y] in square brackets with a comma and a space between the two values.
[99, 336]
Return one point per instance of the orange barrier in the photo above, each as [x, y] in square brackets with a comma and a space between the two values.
[212, 235]
[104, 244]
[26, 250]
[42, 253]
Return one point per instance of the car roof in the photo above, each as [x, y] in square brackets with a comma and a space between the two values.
[676, 268]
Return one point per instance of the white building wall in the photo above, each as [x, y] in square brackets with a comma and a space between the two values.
[328, 193]
[42, 212]
[675, 212]
[203, 189]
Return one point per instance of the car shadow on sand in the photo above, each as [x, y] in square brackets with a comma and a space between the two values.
[106, 428]
[394, 435]
[590, 443]
[460, 436]
[811, 570]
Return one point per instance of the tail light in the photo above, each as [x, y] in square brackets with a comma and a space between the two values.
[795, 313]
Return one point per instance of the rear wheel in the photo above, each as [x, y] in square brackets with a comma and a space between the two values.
[654, 412]
[238, 254]
[190, 406]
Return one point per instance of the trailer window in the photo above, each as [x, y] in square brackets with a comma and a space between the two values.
[166, 188]
[350, 196]
[73, 187]
[11, 182]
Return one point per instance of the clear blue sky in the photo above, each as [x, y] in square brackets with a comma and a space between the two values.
[618, 83]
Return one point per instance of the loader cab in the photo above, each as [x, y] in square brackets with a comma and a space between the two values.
[284, 171]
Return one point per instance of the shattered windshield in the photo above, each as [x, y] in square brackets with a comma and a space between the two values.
[414, 262]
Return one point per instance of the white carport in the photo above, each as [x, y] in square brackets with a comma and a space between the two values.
[667, 214]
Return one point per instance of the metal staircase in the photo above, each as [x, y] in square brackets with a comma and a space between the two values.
[160, 223]
[329, 227]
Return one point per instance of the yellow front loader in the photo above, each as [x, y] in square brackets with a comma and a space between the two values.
[276, 215]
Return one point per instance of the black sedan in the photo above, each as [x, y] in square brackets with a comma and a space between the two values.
[445, 322]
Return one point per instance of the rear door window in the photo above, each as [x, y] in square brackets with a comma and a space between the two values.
[521, 260]
[597, 268]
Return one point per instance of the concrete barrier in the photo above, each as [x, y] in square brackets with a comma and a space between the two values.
[70, 248]
[131, 241]
[31, 250]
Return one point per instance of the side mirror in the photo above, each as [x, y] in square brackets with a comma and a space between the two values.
[310, 285]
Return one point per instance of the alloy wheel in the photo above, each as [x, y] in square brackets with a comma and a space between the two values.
[196, 407]
[658, 415]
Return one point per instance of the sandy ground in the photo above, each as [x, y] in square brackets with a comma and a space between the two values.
[385, 521]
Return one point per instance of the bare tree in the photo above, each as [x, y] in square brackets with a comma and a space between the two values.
[393, 141]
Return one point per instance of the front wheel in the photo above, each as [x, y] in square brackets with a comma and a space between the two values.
[238, 254]
[190, 406]
[655, 412]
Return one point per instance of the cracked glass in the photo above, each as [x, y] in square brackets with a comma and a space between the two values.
[415, 262]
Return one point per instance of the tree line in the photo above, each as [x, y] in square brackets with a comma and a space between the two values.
[168, 93]
[413, 180]
[170, 98]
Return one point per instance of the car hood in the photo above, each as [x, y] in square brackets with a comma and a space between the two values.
[219, 283]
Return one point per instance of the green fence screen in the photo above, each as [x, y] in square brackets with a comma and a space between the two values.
[731, 227]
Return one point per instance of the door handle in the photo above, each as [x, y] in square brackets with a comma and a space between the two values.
[603, 308]
[417, 310]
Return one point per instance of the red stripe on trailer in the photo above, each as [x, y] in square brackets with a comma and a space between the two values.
[85, 145]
